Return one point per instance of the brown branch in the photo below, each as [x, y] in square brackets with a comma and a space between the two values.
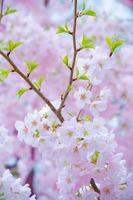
[94, 186]
[78, 116]
[74, 59]
[32, 86]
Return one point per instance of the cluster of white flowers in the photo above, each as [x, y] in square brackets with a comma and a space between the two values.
[97, 103]
[83, 150]
[38, 129]
[95, 66]
[11, 188]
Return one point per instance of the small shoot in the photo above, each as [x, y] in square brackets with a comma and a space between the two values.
[87, 11]
[4, 74]
[9, 10]
[113, 44]
[22, 91]
[39, 82]
[63, 29]
[87, 43]
[66, 61]
[11, 46]
[79, 76]
[31, 66]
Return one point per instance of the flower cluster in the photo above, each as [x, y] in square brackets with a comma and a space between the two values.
[11, 188]
[95, 66]
[85, 150]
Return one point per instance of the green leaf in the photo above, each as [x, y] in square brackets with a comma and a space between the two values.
[83, 77]
[88, 12]
[117, 44]
[39, 83]
[87, 42]
[21, 91]
[9, 10]
[113, 44]
[4, 73]
[31, 65]
[109, 42]
[12, 45]
[66, 27]
[94, 157]
[66, 60]
[62, 29]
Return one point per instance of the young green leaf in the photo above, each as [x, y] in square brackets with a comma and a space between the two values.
[94, 157]
[83, 77]
[62, 29]
[31, 65]
[12, 45]
[109, 42]
[21, 91]
[87, 42]
[117, 44]
[88, 12]
[39, 83]
[66, 60]
[113, 44]
[9, 10]
[66, 27]
[4, 73]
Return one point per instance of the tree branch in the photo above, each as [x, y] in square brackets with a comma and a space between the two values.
[32, 86]
[95, 188]
[74, 58]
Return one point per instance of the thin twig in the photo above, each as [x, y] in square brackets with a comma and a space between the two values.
[94, 186]
[74, 58]
[32, 86]
[78, 116]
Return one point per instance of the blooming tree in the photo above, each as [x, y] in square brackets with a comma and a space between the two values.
[69, 135]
